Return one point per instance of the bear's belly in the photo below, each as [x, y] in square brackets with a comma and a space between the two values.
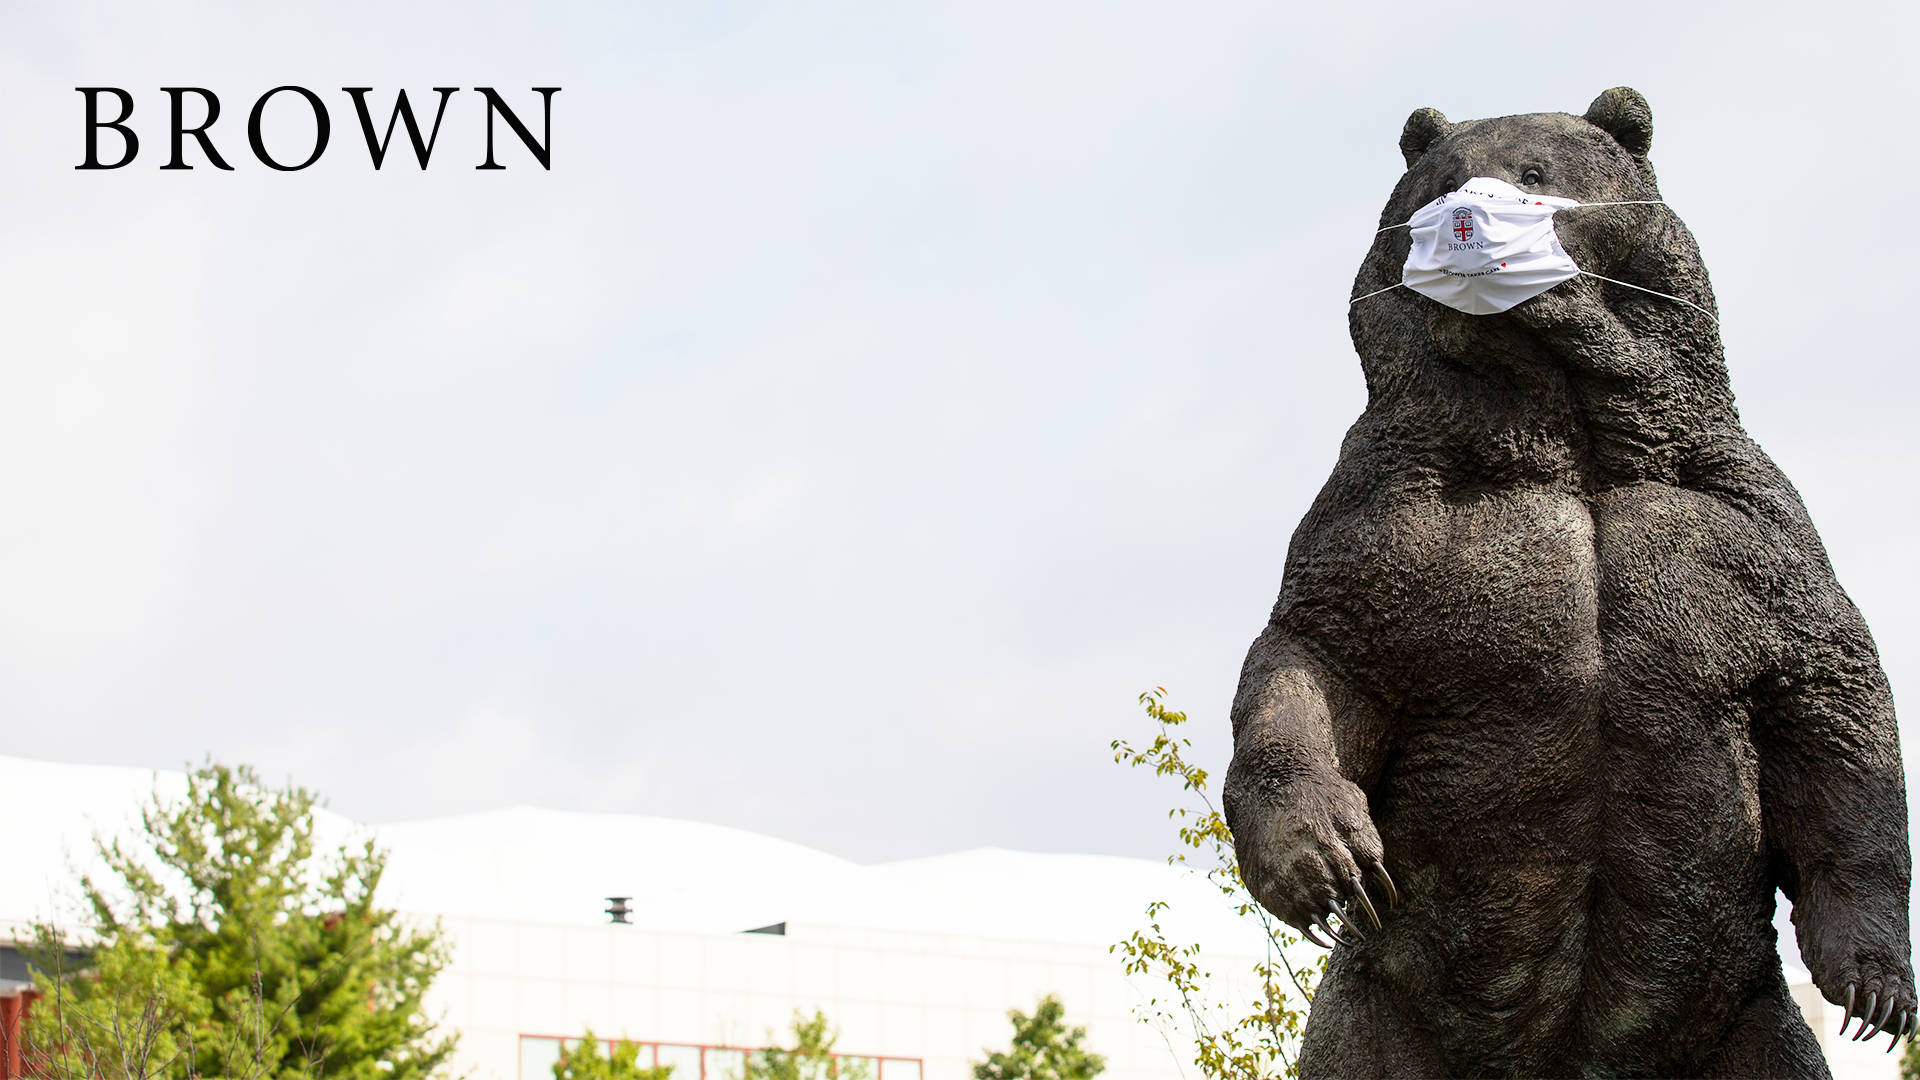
[1571, 790]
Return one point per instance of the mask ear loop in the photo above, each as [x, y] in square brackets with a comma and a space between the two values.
[1588, 273]
[1631, 285]
[1622, 202]
[1376, 292]
[1389, 288]
[1655, 292]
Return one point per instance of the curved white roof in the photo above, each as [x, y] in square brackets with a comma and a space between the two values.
[56, 811]
[550, 866]
[534, 865]
[540, 865]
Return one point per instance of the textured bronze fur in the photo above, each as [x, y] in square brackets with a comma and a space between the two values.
[1559, 644]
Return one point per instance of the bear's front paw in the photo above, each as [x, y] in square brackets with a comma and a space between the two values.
[1860, 962]
[1306, 848]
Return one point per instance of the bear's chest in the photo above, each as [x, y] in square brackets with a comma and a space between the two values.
[1444, 598]
[1532, 593]
[1684, 581]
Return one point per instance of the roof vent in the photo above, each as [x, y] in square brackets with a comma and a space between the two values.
[620, 910]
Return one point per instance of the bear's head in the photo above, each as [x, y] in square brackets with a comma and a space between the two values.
[1582, 326]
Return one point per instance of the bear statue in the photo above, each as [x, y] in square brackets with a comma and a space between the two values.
[1560, 687]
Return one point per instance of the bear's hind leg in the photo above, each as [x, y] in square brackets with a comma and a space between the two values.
[1769, 1038]
[1355, 1030]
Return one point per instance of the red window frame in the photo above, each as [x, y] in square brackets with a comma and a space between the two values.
[655, 1045]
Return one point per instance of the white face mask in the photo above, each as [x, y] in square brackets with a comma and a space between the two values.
[1486, 247]
[1489, 246]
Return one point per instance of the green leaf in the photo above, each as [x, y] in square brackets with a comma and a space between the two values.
[228, 946]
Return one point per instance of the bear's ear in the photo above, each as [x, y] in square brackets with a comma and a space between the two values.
[1424, 126]
[1622, 113]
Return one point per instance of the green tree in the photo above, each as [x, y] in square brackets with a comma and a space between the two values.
[1044, 1048]
[583, 1061]
[224, 945]
[810, 1058]
[1231, 1041]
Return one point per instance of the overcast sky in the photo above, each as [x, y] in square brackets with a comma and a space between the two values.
[869, 403]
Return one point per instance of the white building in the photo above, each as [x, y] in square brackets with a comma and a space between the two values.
[915, 962]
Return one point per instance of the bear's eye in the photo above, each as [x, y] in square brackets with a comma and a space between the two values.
[1531, 177]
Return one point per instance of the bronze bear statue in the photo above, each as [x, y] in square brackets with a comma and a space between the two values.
[1559, 664]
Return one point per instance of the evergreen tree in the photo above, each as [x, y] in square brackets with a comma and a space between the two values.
[223, 945]
[583, 1061]
[1043, 1048]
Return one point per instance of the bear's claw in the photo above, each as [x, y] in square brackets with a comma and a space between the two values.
[1878, 1018]
[1347, 922]
[1858, 960]
[1321, 924]
[1366, 905]
[1866, 1015]
[1393, 894]
[1309, 852]
[1880, 1021]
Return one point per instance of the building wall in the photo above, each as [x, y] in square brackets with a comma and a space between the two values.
[939, 999]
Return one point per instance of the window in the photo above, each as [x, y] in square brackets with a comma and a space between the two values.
[539, 1053]
[725, 1064]
[684, 1059]
[537, 1057]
